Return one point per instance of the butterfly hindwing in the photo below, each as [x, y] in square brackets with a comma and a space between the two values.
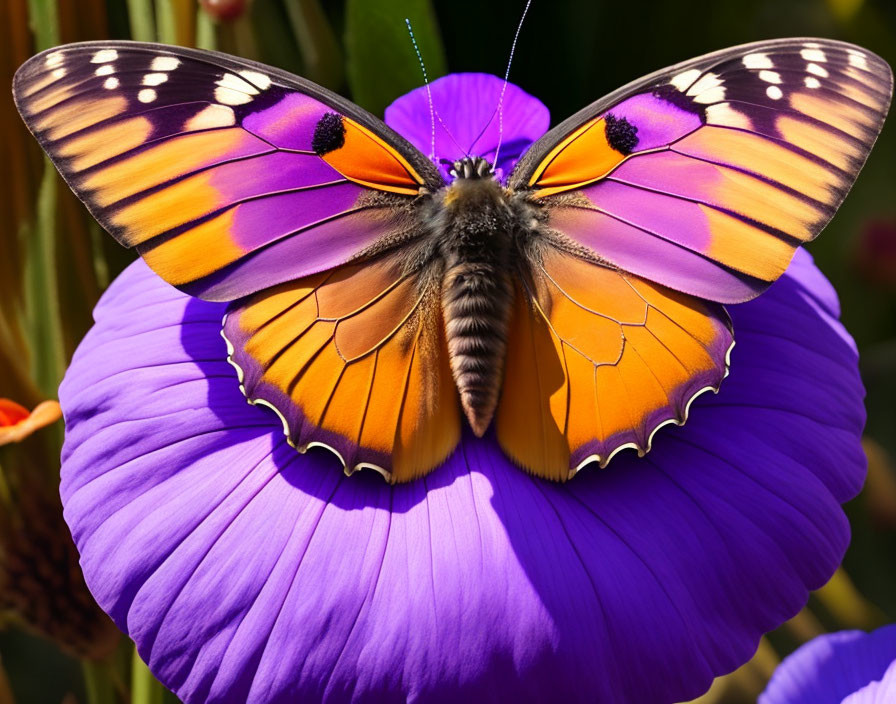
[598, 360]
[353, 359]
[706, 176]
[227, 176]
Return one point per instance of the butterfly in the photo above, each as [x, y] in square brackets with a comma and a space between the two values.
[378, 307]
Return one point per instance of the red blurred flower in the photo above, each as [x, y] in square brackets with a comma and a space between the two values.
[224, 10]
[17, 423]
[875, 256]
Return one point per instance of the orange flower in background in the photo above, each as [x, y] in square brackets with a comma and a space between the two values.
[17, 422]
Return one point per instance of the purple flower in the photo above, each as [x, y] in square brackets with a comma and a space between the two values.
[467, 122]
[247, 572]
[851, 667]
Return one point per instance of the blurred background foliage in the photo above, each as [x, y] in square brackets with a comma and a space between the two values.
[55, 644]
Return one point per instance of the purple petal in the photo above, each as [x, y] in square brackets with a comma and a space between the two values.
[247, 572]
[836, 665]
[467, 121]
[882, 691]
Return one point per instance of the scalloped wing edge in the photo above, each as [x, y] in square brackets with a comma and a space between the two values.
[602, 462]
[302, 449]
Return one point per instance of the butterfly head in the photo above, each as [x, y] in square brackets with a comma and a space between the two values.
[472, 167]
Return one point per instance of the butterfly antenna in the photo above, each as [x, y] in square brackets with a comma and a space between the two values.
[506, 77]
[433, 113]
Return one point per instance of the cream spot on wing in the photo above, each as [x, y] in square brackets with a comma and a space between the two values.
[147, 95]
[708, 89]
[226, 96]
[774, 92]
[812, 82]
[813, 55]
[111, 83]
[58, 73]
[154, 79]
[858, 60]
[233, 90]
[105, 70]
[53, 60]
[770, 76]
[684, 79]
[229, 80]
[724, 114]
[812, 45]
[817, 70]
[258, 79]
[211, 116]
[713, 95]
[164, 63]
[757, 60]
[104, 56]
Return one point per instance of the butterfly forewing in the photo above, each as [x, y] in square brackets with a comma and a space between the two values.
[705, 177]
[227, 176]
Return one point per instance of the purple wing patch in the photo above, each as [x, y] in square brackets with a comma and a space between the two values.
[206, 164]
[739, 157]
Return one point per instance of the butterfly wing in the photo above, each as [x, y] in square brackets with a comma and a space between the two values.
[227, 176]
[353, 359]
[706, 176]
[239, 182]
[690, 188]
[607, 358]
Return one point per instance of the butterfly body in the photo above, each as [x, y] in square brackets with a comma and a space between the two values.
[477, 232]
[374, 303]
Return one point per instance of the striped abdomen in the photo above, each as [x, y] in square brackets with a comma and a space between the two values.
[476, 301]
[477, 294]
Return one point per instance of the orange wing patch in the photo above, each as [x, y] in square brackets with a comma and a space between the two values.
[353, 360]
[598, 360]
[583, 157]
[363, 157]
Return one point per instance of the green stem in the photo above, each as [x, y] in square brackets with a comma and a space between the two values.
[206, 37]
[100, 265]
[166, 23]
[98, 684]
[44, 21]
[145, 689]
[142, 20]
[42, 293]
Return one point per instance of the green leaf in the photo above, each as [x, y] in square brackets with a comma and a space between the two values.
[382, 63]
[321, 55]
[271, 21]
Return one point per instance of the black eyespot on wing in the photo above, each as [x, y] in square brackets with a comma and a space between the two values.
[329, 134]
[622, 135]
